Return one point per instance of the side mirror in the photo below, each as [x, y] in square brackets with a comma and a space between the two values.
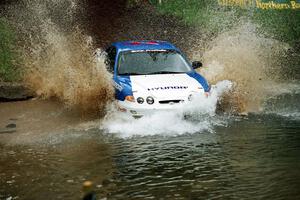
[196, 64]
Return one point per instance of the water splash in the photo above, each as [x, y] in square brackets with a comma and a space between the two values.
[248, 59]
[58, 56]
[198, 117]
[284, 101]
[59, 62]
[251, 63]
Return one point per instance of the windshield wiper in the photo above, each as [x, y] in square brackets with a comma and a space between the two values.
[165, 72]
[128, 74]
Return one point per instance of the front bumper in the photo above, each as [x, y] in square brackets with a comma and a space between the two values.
[139, 110]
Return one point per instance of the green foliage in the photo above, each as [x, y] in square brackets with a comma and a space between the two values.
[283, 24]
[8, 66]
[213, 18]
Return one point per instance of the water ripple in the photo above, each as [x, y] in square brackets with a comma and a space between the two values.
[250, 159]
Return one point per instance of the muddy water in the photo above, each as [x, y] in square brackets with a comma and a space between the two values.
[52, 151]
[53, 172]
[253, 158]
[250, 157]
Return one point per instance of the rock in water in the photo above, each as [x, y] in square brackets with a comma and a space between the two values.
[10, 128]
[12, 125]
[14, 92]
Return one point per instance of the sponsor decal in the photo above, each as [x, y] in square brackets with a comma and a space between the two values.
[168, 88]
[137, 51]
[118, 86]
[262, 4]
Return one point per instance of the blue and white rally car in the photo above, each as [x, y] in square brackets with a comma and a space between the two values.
[152, 75]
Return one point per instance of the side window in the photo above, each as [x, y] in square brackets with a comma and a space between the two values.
[110, 58]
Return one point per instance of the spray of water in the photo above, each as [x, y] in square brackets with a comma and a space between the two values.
[199, 116]
[58, 56]
[59, 62]
[249, 60]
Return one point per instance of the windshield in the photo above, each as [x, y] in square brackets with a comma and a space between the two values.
[152, 62]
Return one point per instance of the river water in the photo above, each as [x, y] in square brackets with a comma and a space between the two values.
[252, 158]
[229, 157]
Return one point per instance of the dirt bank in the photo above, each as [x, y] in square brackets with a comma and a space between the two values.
[113, 20]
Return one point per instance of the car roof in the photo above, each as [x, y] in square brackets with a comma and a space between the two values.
[144, 45]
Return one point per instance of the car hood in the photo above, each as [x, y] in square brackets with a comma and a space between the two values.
[164, 86]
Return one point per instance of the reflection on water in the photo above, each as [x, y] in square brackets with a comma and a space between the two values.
[250, 157]
[254, 158]
[56, 171]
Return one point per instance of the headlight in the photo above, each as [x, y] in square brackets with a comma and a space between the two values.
[150, 100]
[140, 100]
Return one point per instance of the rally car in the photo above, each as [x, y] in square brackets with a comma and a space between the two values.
[152, 75]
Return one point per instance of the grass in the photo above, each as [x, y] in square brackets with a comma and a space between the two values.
[9, 71]
[283, 25]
